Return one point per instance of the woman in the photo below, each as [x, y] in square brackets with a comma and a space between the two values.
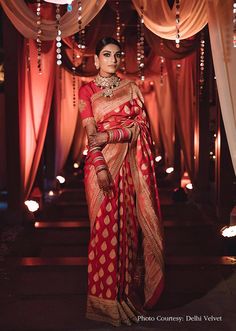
[125, 257]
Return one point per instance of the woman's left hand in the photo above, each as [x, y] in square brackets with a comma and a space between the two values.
[98, 139]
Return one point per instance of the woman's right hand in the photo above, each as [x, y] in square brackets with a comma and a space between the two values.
[105, 181]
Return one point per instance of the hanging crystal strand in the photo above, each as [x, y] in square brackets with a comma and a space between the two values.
[140, 46]
[81, 33]
[118, 21]
[234, 24]
[38, 39]
[177, 22]
[162, 61]
[73, 73]
[58, 38]
[202, 62]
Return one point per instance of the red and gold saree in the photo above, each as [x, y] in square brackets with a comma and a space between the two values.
[125, 255]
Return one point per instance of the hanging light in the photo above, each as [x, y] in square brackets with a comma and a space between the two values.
[76, 165]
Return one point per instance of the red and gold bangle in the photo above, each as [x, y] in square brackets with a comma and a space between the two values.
[119, 135]
[97, 159]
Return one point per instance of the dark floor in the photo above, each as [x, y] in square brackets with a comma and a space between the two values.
[43, 270]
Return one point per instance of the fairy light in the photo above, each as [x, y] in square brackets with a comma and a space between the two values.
[202, 63]
[38, 39]
[118, 20]
[140, 45]
[234, 24]
[177, 22]
[58, 37]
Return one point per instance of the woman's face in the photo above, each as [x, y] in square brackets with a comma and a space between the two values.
[108, 60]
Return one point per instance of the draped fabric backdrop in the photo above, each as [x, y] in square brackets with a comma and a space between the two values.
[164, 104]
[224, 59]
[35, 97]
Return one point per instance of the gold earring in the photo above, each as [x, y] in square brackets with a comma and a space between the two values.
[96, 65]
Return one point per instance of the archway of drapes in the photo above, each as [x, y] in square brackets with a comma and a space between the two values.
[160, 100]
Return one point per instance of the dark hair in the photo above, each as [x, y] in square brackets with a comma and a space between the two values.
[106, 41]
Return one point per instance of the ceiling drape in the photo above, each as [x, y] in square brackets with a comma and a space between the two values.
[161, 20]
[224, 59]
[25, 20]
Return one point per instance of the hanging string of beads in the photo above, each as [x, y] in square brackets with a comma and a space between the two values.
[58, 37]
[162, 62]
[140, 45]
[118, 21]
[38, 39]
[177, 22]
[73, 72]
[81, 33]
[202, 62]
[234, 24]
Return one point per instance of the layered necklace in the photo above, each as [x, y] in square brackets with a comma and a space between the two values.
[107, 84]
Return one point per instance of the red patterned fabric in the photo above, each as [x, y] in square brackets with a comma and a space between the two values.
[125, 256]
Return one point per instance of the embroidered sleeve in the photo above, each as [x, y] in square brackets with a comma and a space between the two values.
[85, 107]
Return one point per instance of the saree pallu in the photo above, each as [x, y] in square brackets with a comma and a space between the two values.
[125, 255]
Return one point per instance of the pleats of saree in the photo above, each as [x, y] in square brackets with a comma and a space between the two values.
[112, 255]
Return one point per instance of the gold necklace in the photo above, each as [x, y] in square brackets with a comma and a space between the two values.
[107, 84]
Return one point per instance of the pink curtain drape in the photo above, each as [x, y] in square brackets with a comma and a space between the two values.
[160, 18]
[66, 115]
[35, 96]
[224, 59]
[25, 20]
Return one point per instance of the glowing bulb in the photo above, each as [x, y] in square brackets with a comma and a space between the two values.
[228, 231]
[61, 179]
[32, 205]
[51, 193]
[36, 224]
[76, 165]
[158, 158]
[169, 170]
[85, 152]
[189, 186]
